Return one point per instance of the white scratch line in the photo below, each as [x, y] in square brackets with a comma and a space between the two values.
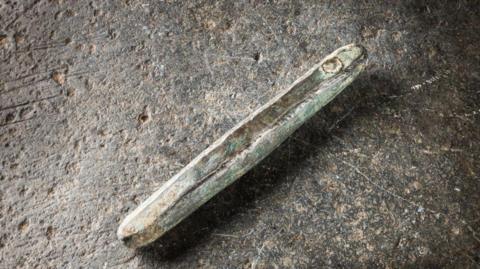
[442, 74]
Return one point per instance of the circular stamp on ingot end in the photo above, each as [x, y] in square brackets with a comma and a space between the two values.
[333, 65]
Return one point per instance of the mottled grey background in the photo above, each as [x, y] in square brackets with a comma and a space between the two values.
[102, 101]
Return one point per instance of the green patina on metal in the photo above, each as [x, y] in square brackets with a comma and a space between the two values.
[242, 147]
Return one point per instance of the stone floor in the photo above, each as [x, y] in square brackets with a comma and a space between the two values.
[102, 101]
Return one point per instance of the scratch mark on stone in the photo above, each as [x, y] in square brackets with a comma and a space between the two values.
[33, 75]
[16, 122]
[30, 102]
[23, 86]
[441, 74]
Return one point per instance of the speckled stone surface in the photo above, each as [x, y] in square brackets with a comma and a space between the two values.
[102, 102]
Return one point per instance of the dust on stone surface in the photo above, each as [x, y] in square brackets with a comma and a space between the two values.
[386, 176]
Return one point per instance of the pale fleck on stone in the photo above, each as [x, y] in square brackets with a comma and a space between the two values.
[19, 39]
[357, 235]
[145, 117]
[70, 92]
[269, 244]
[23, 226]
[367, 33]
[336, 109]
[396, 36]
[291, 29]
[3, 40]
[416, 185]
[59, 78]
[92, 48]
[300, 208]
[432, 52]
[287, 262]
[422, 250]
[210, 24]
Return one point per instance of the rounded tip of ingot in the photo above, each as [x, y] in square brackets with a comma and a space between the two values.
[343, 58]
[127, 234]
[355, 50]
[136, 235]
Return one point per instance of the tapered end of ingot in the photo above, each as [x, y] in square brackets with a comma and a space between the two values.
[126, 235]
[344, 58]
[138, 229]
[133, 238]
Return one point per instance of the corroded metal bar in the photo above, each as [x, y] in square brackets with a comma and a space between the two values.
[242, 147]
